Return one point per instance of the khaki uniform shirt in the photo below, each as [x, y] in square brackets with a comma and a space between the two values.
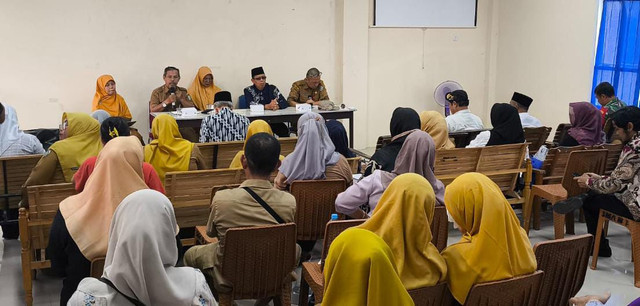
[162, 93]
[300, 93]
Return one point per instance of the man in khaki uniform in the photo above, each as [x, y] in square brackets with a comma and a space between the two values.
[168, 96]
[310, 90]
[237, 208]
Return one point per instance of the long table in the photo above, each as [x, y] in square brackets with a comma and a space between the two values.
[288, 114]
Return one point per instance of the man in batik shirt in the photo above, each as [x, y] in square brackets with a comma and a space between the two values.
[268, 95]
[223, 124]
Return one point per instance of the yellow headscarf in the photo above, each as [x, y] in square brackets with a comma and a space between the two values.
[402, 219]
[83, 141]
[168, 151]
[114, 104]
[433, 123]
[360, 270]
[493, 245]
[257, 126]
[202, 95]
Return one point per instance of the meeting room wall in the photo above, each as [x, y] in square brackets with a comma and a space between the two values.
[53, 51]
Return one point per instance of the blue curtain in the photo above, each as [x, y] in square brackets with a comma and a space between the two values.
[618, 53]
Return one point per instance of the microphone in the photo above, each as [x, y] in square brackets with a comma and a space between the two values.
[172, 89]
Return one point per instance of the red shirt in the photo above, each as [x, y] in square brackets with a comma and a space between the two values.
[150, 175]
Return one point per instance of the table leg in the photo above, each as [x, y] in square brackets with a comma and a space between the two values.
[351, 129]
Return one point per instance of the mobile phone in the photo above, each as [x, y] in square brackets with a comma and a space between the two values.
[576, 174]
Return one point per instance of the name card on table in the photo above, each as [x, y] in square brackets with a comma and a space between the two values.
[303, 108]
[256, 108]
[188, 112]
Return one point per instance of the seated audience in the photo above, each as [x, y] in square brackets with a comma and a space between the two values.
[403, 122]
[141, 259]
[203, 90]
[101, 115]
[80, 228]
[507, 128]
[417, 155]
[522, 103]
[268, 95]
[169, 96]
[109, 129]
[586, 126]
[434, 123]
[617, 193]
[338, 136]
[493, 245]
[168, 151]
[256, 126]
[310, 90]
[106, 98]
[361, 270]
[79, 140]
[402, 219]
[239, 207]
[314, 156]
[461, 119]
[606, 96]
[223, 124]
[13, 141]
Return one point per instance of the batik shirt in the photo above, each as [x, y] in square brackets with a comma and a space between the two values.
[254, 96]
[224, 126]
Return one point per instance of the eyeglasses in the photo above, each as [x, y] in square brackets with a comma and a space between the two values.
[260, 78]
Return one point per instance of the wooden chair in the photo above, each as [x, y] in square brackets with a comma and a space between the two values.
[312, 271]
[579, 162]
[34, 225]
[561, 130]
[518, 291]
[462, 139]
[440, 228]
[14, 171]
[315, 202]
[258, 262]
[208, 151]
[382, 141]
[432, 296]
[354, 162]
[613, 154]
[97, 267]
[287, 145]
[536, 137]
[226, 151]
[564, 262]
[218, 155]
[634, 230]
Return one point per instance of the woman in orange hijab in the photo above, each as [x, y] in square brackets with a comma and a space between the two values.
[107, 99]
[202, 89]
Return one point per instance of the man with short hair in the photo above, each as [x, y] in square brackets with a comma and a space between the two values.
[606, 96]
[239, 208]
[268, 95]
[169, 96]
[461, 119]
[310, 90]
[521, 103]
[223, 124]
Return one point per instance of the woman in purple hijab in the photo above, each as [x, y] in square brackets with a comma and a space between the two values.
[586, 126]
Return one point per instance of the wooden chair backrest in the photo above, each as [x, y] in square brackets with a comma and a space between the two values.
[218, 155]
[257, 260]
[451, 163]
[582, 162]
[462, 139]
[536, 136]
[226, 152]
[208, 151]
[287, 144]
[561, 130]
[315, 202]
[518, 291]
[97, 267]
[354, 162]
[14, 171]
[440, 228]
[332, 230]
[558, 158]
[431, 296]
[190, 192]
[564, 262]
[382, 141]
[613, 155]
[43, 205]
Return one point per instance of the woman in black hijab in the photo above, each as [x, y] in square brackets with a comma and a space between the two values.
[507, 128]
[338, 136]
[403, 121]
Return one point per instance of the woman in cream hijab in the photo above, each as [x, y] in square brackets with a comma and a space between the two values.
[360, 270]
[80, 228]
[433, 123]
[257, 126]
[493, 245]
[141, 259]
[202, 89]
[403, 219]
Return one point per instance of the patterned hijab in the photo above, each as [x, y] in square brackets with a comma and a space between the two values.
[586, 123]
[507, 127]
[433, 123]
[314, 151]
[9, 130]
[83, 141]
[202, 95]
[168, 151]
[115, 104]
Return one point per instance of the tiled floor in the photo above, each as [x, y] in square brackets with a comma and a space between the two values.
[614, 274]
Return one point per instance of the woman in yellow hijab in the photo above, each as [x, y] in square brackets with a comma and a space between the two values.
[433, 123]
[257, 126]
[360, 270]
[168, 151]
[402, 219]
[202, 89]
[106, 98]
[493, 245]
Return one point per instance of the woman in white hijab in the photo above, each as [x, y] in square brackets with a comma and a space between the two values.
[141, 257]
[13, 141]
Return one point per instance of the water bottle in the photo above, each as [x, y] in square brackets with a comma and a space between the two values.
[334, 217]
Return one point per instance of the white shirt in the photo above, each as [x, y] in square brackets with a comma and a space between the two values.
[463, 120]
[26, 144]
[480, 140]
[529, 121]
